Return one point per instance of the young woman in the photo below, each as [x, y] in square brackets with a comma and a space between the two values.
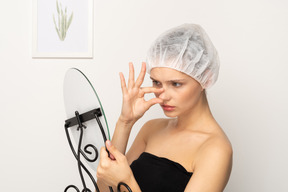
[188, 151]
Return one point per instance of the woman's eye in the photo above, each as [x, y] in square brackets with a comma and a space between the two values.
[156, 83]
[176, 84]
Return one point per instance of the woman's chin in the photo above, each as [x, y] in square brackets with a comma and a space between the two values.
[169, 114]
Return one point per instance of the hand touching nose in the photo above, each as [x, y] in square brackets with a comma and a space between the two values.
[134, 105]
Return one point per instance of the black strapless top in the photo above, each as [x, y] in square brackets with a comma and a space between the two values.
[157, 174]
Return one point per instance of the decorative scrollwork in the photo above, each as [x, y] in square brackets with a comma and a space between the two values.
[74, 187]
[125, 185]
[71, 186]
[78, 154]
[89, 152]
[88, 149]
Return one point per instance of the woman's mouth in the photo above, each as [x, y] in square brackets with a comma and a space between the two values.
[167, 107]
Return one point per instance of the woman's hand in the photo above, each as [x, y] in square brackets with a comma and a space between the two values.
[134, 105]
[113, 170]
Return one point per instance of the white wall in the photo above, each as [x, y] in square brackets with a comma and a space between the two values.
[249, 100]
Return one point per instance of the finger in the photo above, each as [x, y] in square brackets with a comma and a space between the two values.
[131, 75]
[123, 83]
[145, 90]
[103, 154]
[113, 151]
[152, 102]
[111, 156]
[141, 76]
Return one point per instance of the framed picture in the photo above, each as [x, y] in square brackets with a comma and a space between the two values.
[62, 29]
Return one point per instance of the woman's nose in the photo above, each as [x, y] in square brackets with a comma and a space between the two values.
[164, 95]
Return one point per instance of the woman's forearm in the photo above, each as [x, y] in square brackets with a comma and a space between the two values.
[121, 135]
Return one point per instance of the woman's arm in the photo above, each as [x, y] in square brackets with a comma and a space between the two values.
[135, 150]
[133, 106]
[212, 168]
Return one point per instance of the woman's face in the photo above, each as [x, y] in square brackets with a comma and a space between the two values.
[181, 92]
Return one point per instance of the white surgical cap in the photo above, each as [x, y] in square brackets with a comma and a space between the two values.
[188, 49]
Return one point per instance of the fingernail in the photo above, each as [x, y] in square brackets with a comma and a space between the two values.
[108, 143]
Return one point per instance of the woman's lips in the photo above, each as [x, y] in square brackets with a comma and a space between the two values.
[167, 107]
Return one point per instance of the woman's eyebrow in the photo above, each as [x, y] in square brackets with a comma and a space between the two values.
[176, 80]
[172, 80]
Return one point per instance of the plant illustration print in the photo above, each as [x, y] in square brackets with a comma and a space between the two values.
[63, 23]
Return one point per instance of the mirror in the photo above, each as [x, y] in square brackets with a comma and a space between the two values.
[80, 96]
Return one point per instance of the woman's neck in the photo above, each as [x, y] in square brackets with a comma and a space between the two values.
[197, 118]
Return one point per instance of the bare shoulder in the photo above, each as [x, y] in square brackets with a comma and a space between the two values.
[214, 163]
[218, 146]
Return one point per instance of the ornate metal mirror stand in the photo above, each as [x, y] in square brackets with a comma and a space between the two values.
[79, 119]
[86, 134]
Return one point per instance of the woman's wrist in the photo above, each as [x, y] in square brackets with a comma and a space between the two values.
[125, 122]
[132, 184]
